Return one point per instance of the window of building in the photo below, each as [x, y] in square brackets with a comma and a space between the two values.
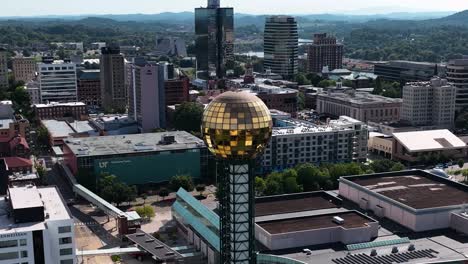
[24, 254]
[65, 240]
[66, 261]
[23, 242]
[8, 243]
[9, 255]
[66, 251]
[64, 229]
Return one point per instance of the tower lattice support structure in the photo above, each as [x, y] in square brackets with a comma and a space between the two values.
[236, 208]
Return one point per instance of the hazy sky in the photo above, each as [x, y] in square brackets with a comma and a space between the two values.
[62, 7]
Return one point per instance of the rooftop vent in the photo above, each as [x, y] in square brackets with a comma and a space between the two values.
[167, 140]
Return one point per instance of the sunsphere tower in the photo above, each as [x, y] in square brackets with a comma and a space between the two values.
[236, 127]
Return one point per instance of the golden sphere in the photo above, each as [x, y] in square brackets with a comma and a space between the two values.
[236, 125]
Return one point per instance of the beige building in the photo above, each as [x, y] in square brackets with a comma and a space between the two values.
[24, 69]
[381, 144]
[3, 68]
[429, 103]
[360, 105]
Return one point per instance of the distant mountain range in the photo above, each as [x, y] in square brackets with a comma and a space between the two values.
[243, 19]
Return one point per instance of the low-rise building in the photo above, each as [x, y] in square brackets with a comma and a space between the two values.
[408, 71]
[177, 91]
[413, 146]
[362, 106]
[76, 110]
[417, 200]
[274, 97]
[381, 144]
[134, 159]
[59, 130]
[108, 125]
[295, 142]
[36, 227]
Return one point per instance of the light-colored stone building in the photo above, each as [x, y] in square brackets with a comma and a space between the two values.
[362, 106]
[429, 103]
[24, 69]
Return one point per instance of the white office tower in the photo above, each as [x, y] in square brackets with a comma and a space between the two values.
[35, 227]
[57, 82]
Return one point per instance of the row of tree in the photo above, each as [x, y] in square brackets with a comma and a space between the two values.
[308, 177]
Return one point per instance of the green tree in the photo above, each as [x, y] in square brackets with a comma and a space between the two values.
[308, 176]
[42, 136]
[398, 166]
[41, 172]
[163, 192]
[144, 196]
[465, 174]
[260, 186]
[461, 163]
[301, 100]
[301, 79]
[182, 181]
[115, 191]
[188, 117]
[383, 165]
[291, 186]
[146, 211]
[326, 83]
[273, 187]
[200, 189]
[314, 78]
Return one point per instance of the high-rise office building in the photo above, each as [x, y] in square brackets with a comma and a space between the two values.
[429, 103]
[281, 45]
[113, 90]
[214, 30]
[3, 69]
[147, 96]
[324, 52]
[24, 69]
[57, 81]
[457, 75]
[89, 87]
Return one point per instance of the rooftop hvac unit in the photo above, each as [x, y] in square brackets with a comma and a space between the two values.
[338, 220]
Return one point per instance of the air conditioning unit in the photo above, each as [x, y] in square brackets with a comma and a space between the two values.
[338, 220]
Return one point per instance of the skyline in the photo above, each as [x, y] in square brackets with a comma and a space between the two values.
[88, 7]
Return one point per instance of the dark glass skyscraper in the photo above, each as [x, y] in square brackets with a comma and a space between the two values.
[214, 30]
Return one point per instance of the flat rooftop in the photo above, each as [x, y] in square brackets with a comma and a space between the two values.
[293, 203]
[48, 197]
[58, 129]
[352, 219]
[416, 189]
[295, 126]
[429, 140]
[53, 104]
[361, 98]
[138, 143]
[25, 197]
